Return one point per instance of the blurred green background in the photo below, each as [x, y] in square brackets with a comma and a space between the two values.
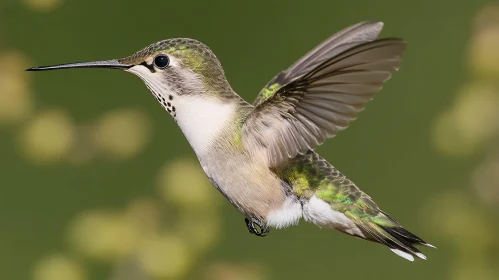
[97, 182]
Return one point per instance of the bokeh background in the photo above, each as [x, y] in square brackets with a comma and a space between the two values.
[97, 182]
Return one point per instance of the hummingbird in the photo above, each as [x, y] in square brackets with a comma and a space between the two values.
[261, 156]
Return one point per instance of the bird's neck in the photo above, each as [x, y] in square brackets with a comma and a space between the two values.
[209, 122]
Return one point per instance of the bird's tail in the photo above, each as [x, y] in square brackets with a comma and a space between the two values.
[385, 230]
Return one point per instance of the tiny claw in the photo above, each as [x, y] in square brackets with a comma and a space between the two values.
[250, 226]
[262, 230]
[265, 231]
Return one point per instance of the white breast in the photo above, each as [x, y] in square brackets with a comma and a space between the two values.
[202, 119]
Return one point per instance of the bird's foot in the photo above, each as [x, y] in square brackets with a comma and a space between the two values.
[262, 230]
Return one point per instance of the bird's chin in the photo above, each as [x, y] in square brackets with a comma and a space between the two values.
[138, 70]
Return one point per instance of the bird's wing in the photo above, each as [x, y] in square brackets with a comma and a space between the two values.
[321, 93]
[349, 37]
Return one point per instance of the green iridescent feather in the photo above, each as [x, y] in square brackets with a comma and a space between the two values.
[266, 93]
[310, 175]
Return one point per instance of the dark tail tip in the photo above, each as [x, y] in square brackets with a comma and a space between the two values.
[408, 240]
[407, 236]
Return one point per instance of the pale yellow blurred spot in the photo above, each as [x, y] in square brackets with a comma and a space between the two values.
[485, 181]
[58, 267]
[201, 228]
[471, 121]
[144, 214]
[123, 133]
[476, 111]
[448, 138]
[128, 269]
[457, 219]
[484, 52]
[83, 149]
[16, 98]
[14, 61]
[164, 256]
[230, 271]
[48, 136]
[42, 5]
[105, 236]
[184, 183]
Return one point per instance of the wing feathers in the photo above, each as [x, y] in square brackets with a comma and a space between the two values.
[357, 100]
[345, 39]
[338, 108]
[353, 77]
[374, 51]
[316, 104]
[388, 65]
[347, 88]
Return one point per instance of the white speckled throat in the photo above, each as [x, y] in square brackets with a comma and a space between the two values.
[201, 117]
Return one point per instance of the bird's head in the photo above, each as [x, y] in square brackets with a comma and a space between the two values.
[171, 69]
[187, 79]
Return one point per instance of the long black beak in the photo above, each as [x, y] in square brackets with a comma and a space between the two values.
[111, 64]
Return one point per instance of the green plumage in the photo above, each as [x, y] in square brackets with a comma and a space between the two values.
[177, 46]
[192, 55]
[266, 93]
[310, 175]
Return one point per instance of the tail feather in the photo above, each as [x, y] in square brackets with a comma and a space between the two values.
[399, 246]
[402, 232]
[393, 235]
[405, 242]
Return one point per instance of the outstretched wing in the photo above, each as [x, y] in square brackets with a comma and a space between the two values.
[321, 93]
[349, 37]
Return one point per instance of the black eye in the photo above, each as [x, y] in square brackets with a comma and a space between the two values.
[161, 61]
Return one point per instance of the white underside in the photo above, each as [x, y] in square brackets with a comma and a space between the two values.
[320, 213]
[202, 119]
[288, 215]
[315, 211]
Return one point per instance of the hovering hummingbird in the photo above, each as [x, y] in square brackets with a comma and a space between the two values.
[261, 156]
